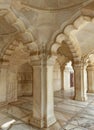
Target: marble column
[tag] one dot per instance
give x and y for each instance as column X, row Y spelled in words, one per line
column 90, row 78
column 67, row 78
column 49, row 113
column 62, row 68
column 80, row 90
column 3, row 84
column 43, row 103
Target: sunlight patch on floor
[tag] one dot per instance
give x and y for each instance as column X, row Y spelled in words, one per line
column 7, row 124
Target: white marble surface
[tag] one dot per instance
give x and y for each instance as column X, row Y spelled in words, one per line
column 70, row 114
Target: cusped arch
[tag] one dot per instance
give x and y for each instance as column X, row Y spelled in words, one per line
column 20, row 26
column 77, row 24
column 25, row 34
column 32, row 49
column 65, row 36
column 74, row 49
column 89, row 58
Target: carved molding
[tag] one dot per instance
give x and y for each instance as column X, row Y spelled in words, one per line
column 37, row 122
column 40, row 123
column 65, row 36
column 48, row 122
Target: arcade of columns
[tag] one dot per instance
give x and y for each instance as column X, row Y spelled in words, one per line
column 42, row 60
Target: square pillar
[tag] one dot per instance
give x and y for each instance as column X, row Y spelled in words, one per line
column 3, row 84
column 80, row 90
column 90, row 78
column 67, row 79
column 43, row 103
column 62, row 68
column 49, row 102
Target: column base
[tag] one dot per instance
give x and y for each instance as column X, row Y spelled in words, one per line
column 50, row 121
column 37, row 122
column 42, row 123
column 78, row 98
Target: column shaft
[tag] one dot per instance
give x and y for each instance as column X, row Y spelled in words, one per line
column 80, row 90
column 3, row 85
column 62, row 76
column 43, row 103
column 90, row 78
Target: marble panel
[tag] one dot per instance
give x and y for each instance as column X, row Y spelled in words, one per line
column 82, row 122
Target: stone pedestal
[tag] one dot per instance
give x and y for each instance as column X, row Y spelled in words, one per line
column 80, row 90
column 43, row 103
column 90, row 78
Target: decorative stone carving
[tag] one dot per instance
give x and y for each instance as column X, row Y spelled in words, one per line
column 37, row 122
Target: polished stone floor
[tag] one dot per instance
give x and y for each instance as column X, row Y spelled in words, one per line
column 70, row 114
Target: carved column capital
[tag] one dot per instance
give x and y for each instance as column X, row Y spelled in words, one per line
column 90, row 67
column 78, row 66
column 62, row 67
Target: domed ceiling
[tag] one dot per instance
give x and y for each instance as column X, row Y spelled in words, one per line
column 45, row 17
column 52, row 4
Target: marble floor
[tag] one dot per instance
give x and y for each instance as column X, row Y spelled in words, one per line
column 70, row 114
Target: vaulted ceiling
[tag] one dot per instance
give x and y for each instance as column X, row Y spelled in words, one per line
column 51, row 4
column 40, row 21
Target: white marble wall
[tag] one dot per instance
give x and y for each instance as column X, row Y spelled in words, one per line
column 8, row 85
column 24, row 78
column 11, row 86
column 25, row 84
